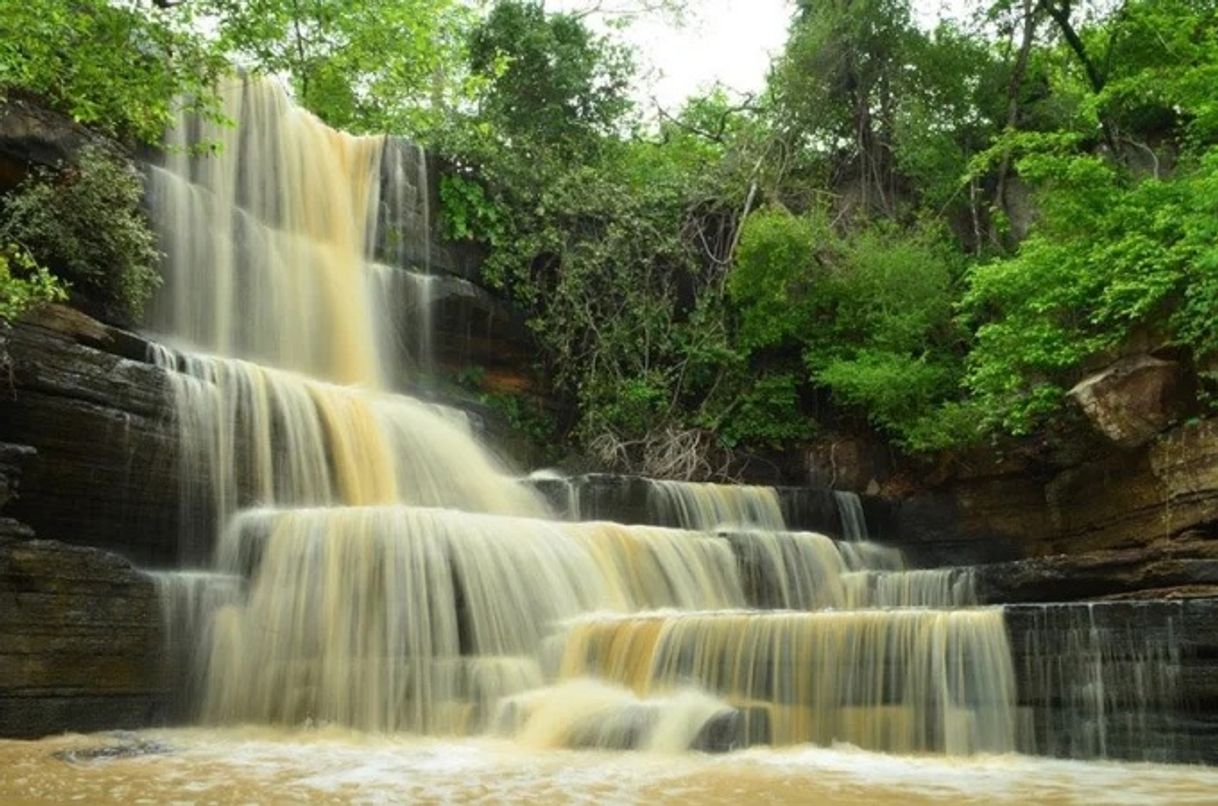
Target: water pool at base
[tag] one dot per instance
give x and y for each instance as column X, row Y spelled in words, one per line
column 262, row 765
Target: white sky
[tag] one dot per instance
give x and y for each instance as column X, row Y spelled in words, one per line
column 727, row 41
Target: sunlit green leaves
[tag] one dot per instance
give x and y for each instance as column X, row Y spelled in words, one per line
column 374, row 66
column 121, row 67
column 24, row 284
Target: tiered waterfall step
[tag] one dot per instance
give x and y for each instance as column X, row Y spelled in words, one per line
column 640, row 500
column 1130, row 679
column 876, row 678
column 646, row 566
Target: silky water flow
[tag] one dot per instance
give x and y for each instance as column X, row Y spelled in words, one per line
column 355, row 558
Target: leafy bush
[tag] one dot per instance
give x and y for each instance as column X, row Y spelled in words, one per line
column 870, row 312
column 24, row 284
column 768, row 413
column 84, row 223
column 526, row 417
column 1109, row 254
column 774, row 272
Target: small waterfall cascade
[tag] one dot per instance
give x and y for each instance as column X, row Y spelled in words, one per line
column 850, row 509
column 352, row 555
column 189, row 603
column 403, row 280
column 707, row 506
column 265, row 242
column 1098, row 686
column 404, row 301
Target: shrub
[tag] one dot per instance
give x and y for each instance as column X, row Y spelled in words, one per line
column 775, row 268
column 24, row 284
column 84, row 223
column 767, row 413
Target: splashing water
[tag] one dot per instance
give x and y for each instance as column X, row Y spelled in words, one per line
column 372, row 566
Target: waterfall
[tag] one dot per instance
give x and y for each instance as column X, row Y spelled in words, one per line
column 265, row 243
column 402, row 275
column 872, row 678
column 370, row 565
column 403, row 308
column 1094, row 686
column 707, row 506
column 190, row 601
column 850, row 510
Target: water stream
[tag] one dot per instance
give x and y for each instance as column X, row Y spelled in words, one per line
column 354, row 558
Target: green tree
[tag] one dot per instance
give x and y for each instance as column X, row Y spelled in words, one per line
column 366, row 66
column 120, row 67
column 548, row 79
column 1123, row 241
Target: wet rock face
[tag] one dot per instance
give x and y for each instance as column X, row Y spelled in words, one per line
column 473, row 328
column 848, row 463
column 79, row 641
column 1135, row 398
column 1125, row 680
column 104, row 471
column 1185, row 568
column 31, row 135
column 12, row 459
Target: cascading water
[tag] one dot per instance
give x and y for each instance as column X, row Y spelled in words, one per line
column 877, row 679
column 850, row 510
column 1097, row 687
column 707, row 506
column 404, row 286
column 372, row 566
column 265, row 244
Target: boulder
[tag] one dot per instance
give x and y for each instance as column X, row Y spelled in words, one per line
column 1134, row 398
column 1178, row 569
column 31, row 135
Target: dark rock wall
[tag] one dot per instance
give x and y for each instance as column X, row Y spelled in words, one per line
column 1130, row 680
column 31, row 135
column 80, row 629
column 80, row 641
column 104, row 472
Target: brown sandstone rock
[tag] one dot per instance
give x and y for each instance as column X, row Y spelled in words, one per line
column 1134, row 399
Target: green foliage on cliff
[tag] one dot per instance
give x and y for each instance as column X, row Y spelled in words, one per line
column 84, row 223
column 121, row 67
column 870, row 312
column 24, row 284
column 927, row 232
column 933, row 232
column 1121, row 246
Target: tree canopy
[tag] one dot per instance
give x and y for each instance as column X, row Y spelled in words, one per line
column 928, row 232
